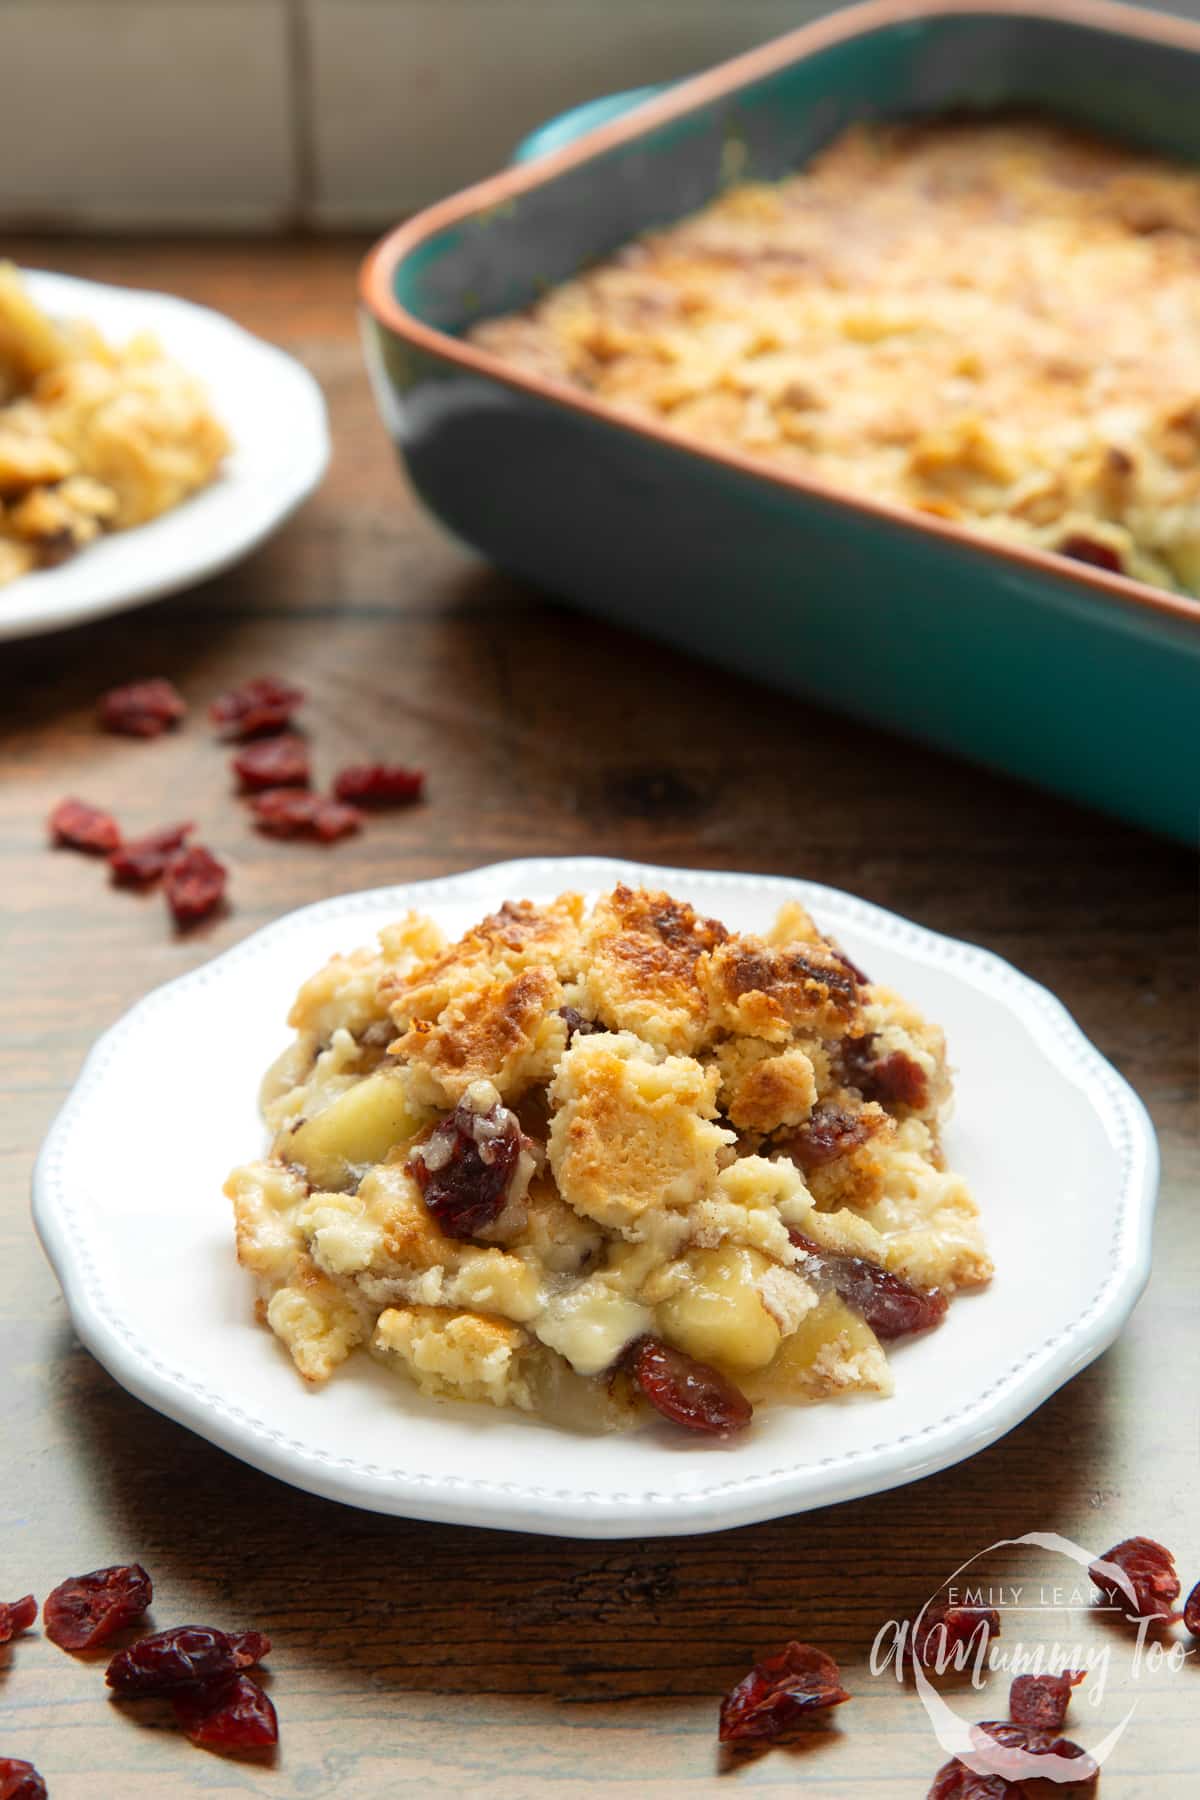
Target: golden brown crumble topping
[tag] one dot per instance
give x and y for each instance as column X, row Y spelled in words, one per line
column 582, row 1161
column 992, row 321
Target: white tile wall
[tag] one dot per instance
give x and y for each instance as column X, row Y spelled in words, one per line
column 118, row 114
column 412, row 98
column 135, row 113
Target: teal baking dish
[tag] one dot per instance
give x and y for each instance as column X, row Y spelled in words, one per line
column 1079, row 680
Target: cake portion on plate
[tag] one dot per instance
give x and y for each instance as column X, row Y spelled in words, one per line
column 589, row 1162
column 94, row 437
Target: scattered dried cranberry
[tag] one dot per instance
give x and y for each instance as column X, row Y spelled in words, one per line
column 688, row 1392
column 1149, row 1571
column 891, row 1306
column 143, row 859
column 943, row 1629
column 194, row 883
column 1191, row 1611
column 1032, row 1742
column 893, row 1080
column 1081, row 548
column 779, row 1694
column 333, row 820
column 380, row 784
column 249, row 1647
column 464, row 1167
column 187, row 1656
column 16, row 1616
column 828, row 1132
column 293, row 812
column 257, row 707
column 84, row 827
column 20, row 1780
column 954, row 1781
column 144, row 709
column 1042, row 1700
column 278, row 762
column 86, row 1610
column 230, row 1715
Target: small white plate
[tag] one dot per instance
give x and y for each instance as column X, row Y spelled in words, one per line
column 273, row 411
column 128, row 1204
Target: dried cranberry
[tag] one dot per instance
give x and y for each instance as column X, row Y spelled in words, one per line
column 943, row 1629
column 862, row 978
column 256, row 707
column 16, row 1616
column 20, row 1780
column 278, row 762
column 143, row 859
column 464, row 1167
column 891, row 1306
column 1081, row 548
column 194, row 883
column 1191, row 1611
column 144, row 709
column 1029, row 1741
column 84, row 827
column 954, row 1781
column 249, row 1647
column 55, row 548
column 285, row 812
column 186, row 1656
column 292, row 812
column 86, row 1610
column 577, row 1024
column 1042, row 1700
column 380, row 784
column 893, row 1080
column 1149, row 1572
column 828, row 1132
column 688, row 1392
column 229, row 1715
column 333, row 821
column 780, row 1693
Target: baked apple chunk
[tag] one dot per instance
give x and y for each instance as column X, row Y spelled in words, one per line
column 601, row 1163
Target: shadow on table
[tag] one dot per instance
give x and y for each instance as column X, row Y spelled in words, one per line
column 449, row 1610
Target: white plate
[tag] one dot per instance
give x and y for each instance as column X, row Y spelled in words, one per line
column 128, row 1203
column 273, row 411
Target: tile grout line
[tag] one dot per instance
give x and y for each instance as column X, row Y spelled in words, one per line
column 302, row 121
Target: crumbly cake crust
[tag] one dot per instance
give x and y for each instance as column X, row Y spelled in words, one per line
column 676, row 1104
column 994, row 321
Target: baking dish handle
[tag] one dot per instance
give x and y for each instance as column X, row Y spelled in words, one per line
column 565, row 127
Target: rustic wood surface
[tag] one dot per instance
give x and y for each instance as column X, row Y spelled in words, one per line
column 412, row 1658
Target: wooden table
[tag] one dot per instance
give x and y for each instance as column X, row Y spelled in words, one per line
column 417, row 1659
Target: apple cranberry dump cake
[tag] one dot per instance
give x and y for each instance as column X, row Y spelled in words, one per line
column 93, row 437
column 585, row 1161
column 991, row 321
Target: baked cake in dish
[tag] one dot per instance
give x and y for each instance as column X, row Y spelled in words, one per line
column 992, row 321
column 592, row 1161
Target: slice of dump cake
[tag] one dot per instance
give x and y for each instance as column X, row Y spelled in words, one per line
column 587, row 1162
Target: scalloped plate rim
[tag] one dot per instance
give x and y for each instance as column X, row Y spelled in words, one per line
column 576, row 1512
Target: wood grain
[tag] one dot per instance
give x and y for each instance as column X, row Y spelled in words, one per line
column 417, row 1659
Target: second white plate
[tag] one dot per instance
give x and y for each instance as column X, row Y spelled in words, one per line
column 274, row 412
column 128, row 1203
